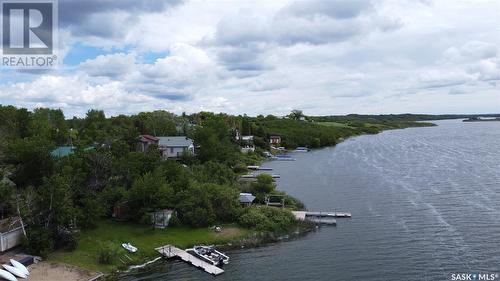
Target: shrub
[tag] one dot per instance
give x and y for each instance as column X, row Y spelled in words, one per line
column 174, row 221
column 38, row 242
column 266, row 218
column 107, row 253
column 66, row 241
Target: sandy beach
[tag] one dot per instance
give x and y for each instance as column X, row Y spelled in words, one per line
column 49, row 271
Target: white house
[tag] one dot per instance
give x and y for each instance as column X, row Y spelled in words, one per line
column 11, row 233
column 174, row 147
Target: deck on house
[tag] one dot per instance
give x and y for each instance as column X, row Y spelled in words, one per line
column 170, row 251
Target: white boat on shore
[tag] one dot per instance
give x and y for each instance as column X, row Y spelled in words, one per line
column 20, row 266
column 129, row 247
column 209, row 254
column 7, row 275
column 15, row 271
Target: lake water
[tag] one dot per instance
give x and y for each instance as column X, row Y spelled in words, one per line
column 425, row 204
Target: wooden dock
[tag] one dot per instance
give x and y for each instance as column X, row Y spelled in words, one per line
column 329, row 214
column 170, row 251
column 320, row 217
column 259, row 168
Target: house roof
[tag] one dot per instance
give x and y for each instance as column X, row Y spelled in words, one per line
column 9, row 224
column 168, row 211
column 149, row 137
column 175, row 141
column 246, row 198
column 62, row 151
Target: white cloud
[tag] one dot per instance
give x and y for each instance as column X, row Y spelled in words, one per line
column 326, row 57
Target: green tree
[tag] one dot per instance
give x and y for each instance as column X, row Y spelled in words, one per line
column 7, row 194
column 264, row 184
column 50, row 125
column 213, row 172
column 149, row 193
column 32, row 161
column 296, row 114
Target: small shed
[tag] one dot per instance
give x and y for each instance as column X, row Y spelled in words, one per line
column 121, row 211
column 161, row 218
column 246, row 199
column 11, row 233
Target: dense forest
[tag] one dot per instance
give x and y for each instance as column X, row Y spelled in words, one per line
column 55, row 196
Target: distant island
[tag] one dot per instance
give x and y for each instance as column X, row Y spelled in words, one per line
column 481, row 119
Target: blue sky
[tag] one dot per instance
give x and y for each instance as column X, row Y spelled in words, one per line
column 269, row 57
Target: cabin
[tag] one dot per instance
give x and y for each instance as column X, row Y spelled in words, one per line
column 247, row 148
column 11, row 233
column 248, row 139
column 161, row 218
column 246, row 143
column 62, row 151
column 246, row 199
column 145, row 141
column 169, row 146
column 175, row 147
column 275, row 141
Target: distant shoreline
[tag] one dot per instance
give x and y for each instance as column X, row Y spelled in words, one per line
column 482, row 120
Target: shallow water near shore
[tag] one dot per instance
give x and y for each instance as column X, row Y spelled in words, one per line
column 425, row 204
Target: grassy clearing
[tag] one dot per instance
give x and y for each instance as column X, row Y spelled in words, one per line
column 143, row 237
column 334, row 124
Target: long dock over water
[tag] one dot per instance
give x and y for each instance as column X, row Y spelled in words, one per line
column 320, row 217
column 170, row 251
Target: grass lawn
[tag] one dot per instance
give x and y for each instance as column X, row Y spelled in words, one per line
column 333, row 124
column 143, row 237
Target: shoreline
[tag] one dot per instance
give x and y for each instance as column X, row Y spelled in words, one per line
column 257, row 239
column 253, row 240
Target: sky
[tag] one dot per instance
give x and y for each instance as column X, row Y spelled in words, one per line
column 325, row 57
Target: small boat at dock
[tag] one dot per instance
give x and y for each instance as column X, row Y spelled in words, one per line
column 301, row 149
column 209, row 254
column 283, row 157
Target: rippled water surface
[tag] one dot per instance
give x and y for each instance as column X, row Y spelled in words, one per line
column 425, row 204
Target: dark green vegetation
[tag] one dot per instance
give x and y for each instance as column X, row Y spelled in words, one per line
column 62, row 198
